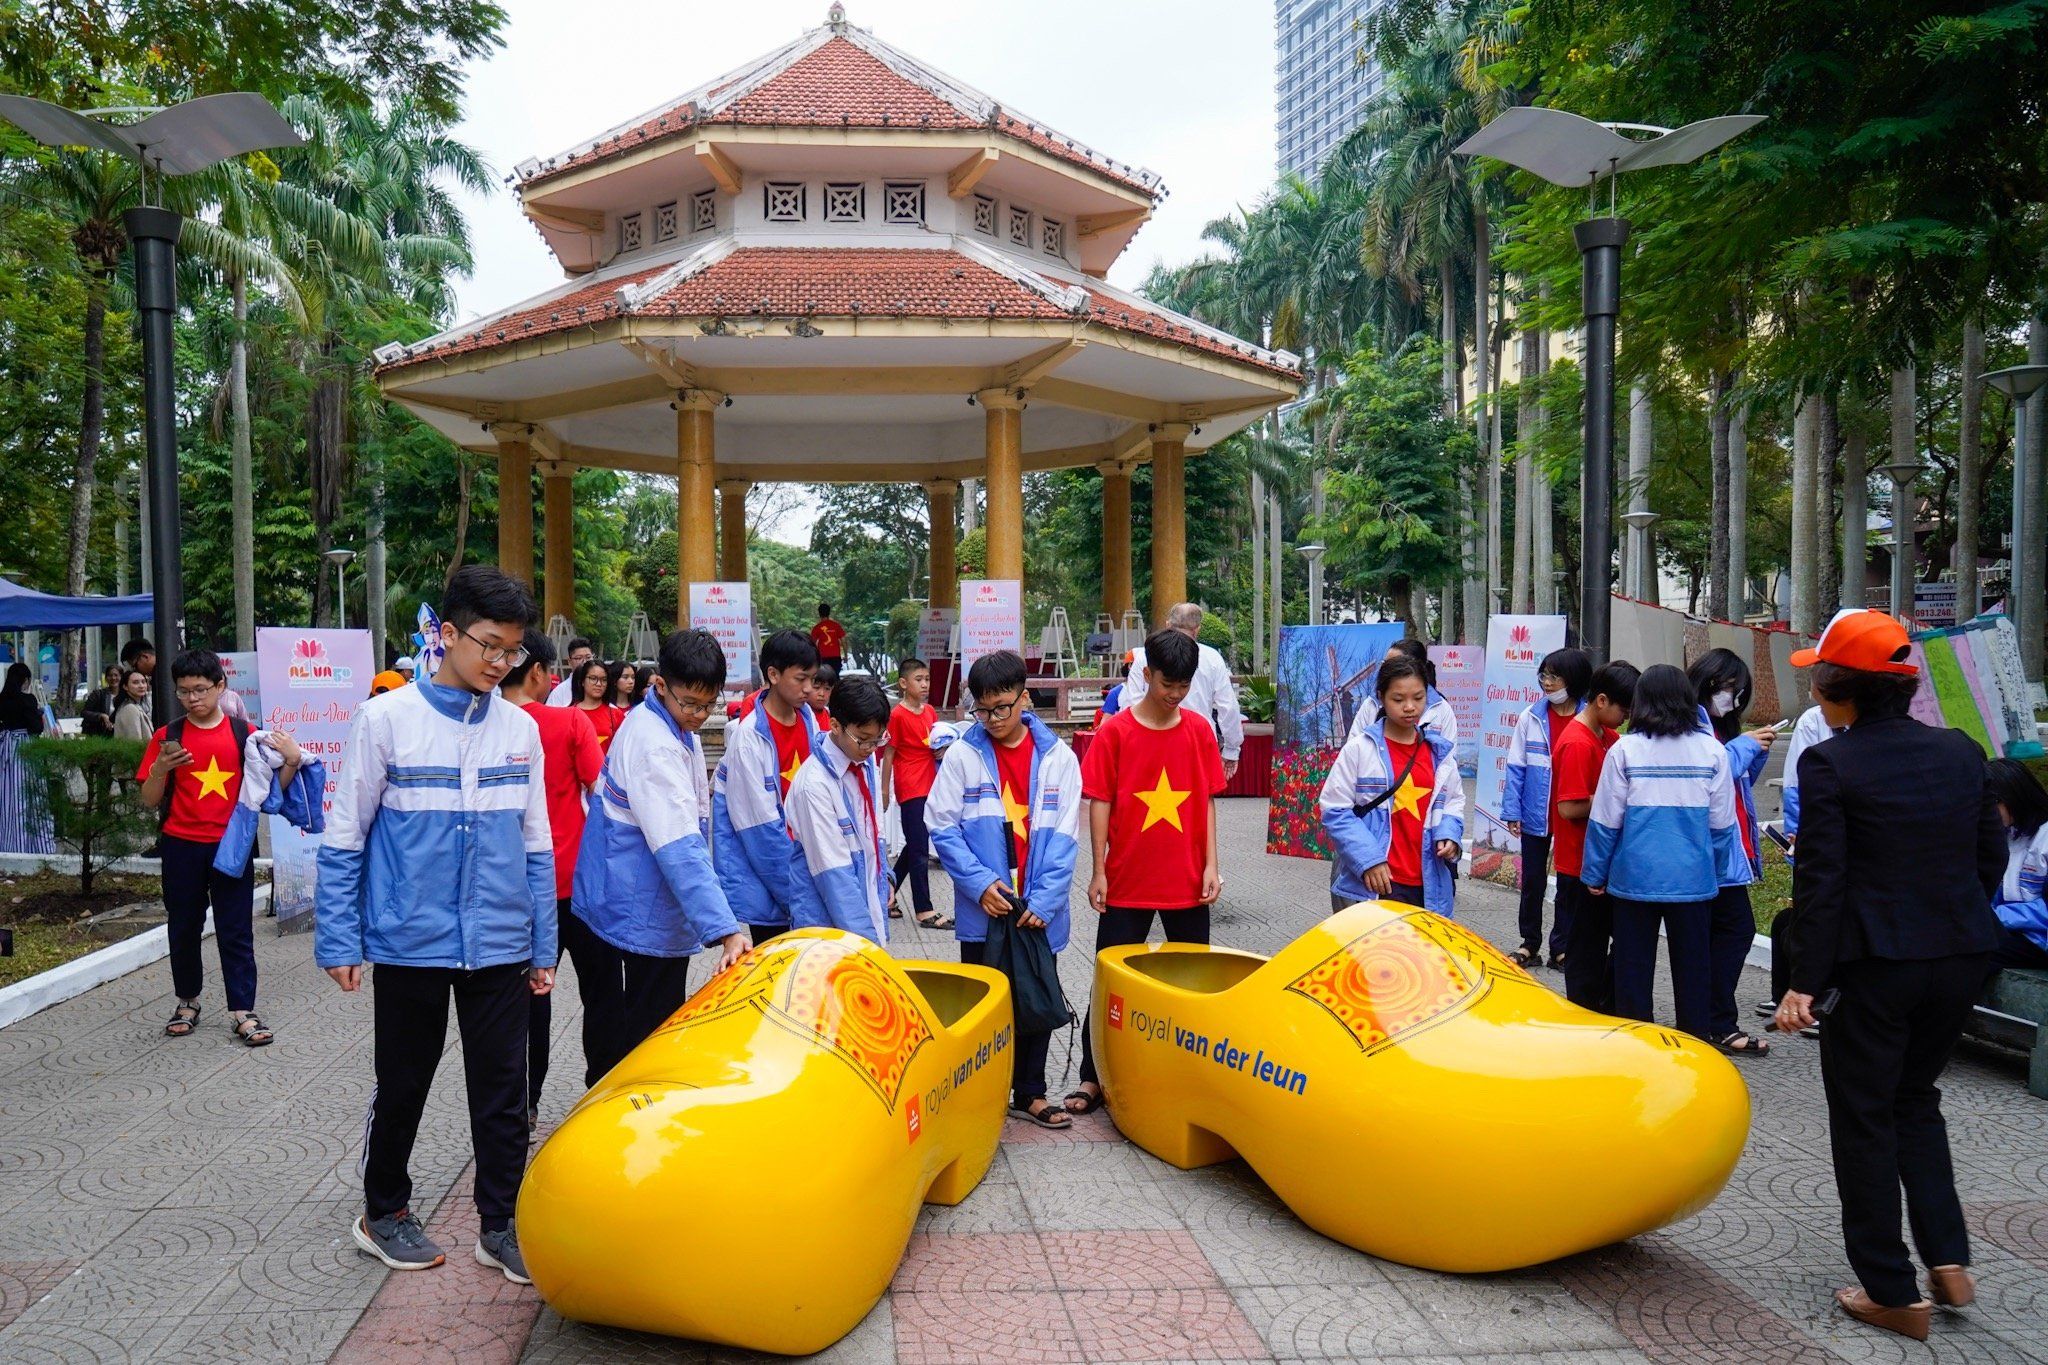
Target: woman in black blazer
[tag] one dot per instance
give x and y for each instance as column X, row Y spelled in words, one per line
column 1900, row 852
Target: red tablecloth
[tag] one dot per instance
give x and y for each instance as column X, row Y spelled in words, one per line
column 1254, row 763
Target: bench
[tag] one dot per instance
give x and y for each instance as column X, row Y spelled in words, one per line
column 2014, row 1014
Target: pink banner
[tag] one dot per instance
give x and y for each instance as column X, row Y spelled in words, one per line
column 311, row 682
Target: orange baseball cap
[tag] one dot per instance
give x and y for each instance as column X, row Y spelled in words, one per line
column 1867, row 641
column 390, row 680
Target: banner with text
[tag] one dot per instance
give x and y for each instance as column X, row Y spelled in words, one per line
column 1515, row 646
column 991, row 618
column 1460, row 670
column 311, row 682
column 935, row 632
column 727, row 611
column 240, row 666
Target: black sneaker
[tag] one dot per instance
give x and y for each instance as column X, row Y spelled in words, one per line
column 398, row 1241
column 500, row 1249
column 1766, row 1008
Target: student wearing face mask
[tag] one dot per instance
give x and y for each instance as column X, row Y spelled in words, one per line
column 1721, row 681
column 1527, row 805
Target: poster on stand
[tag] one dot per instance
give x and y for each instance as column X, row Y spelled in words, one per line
column 991, row 618
column 1321, row 679
column 1459, row 672
column 240, row 666
column 310, row 683
column 727, row 611
column 935, row 632
column 1515, row 646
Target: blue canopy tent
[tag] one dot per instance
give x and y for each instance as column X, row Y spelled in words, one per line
column 26, row 609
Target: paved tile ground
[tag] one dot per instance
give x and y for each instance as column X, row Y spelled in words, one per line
column 189, row 1200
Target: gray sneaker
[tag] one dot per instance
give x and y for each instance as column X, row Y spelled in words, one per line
column 398, row 1241
column 501, row 1249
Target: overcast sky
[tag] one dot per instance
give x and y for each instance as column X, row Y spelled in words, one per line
column 1182, row 86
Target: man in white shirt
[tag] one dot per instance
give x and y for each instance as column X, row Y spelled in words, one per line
column 1211, row 696
column 580, row 653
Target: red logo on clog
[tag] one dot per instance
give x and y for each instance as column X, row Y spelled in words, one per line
column 1116, row 1011
column 913, row 1118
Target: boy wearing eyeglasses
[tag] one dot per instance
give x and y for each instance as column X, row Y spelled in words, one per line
column 644, row 880
column 196, row 762
column 439, row 867
column 1004, row 815
column 835, row 818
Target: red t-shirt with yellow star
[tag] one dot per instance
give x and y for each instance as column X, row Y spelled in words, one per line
column 792, row 747
column 1158, row 784
column 1410, row 807
column 204, row 791
column 1013, row 775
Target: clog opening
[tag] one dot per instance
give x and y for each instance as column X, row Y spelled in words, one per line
column 950, row 997
column 1204, row 973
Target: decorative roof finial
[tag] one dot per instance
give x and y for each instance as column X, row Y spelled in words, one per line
column 835, row 18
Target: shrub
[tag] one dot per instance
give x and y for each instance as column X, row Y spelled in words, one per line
column 83, row 788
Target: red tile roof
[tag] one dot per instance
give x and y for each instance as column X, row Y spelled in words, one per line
column 835, row 282
column 837, row 85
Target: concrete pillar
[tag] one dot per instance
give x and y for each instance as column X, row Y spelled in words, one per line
column 1117, row 596
column 1169, row 517
column 732, row 530
column 515, row 499
column 696, row 494
column 559, row 546
column 945, row 576
column 1004, row 448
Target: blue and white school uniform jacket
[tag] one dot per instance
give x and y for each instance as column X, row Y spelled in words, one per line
column 971, row 834
column 1525, row 788
column 437, row 851
column 1363, row 770
column 1437, row 714
column 749, row 831
column 1811, row 728
column 644, row 881
column 2020, row 906
column 1745, row 765
column 1663, row 819
column 840, row 876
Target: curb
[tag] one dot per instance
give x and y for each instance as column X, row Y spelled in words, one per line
column 74, row 978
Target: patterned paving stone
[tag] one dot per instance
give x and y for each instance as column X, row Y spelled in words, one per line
column 23, row 1283
column 995, row 1206
column 1283, row 1253
column 1351, row 1322
column 1162, row 1324
column 1127, row 1261
column 942, row 1329
column 955, row 1264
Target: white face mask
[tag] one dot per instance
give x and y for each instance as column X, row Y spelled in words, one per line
column 1721, row 703
column 1557, row 698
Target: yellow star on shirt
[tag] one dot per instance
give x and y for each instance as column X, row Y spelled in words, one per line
column 1014, row 812
column 789, row 773
column 213, row 779
column 1162, row 803
column 1410, row 797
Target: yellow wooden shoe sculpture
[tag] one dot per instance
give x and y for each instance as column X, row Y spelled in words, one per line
column 1403, row 1087
column 750, row 1174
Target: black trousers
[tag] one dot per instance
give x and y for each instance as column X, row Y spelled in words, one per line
column 600, row 985
column 190, row 884
column 1118, row 926
column 1731, row 931
column 1781, row 951
column 761, row 933
column 915, row 859
column 656, row 987
column 1685, row 925
column 1535, row 881
column 1027, row 1058
column 1881, row 1051
column 1589, row 947
column 410, row 1008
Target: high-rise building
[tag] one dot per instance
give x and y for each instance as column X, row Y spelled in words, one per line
column 1326, row 77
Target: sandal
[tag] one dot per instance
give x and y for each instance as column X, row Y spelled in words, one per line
column 1089, row 1103
column 936, row 919
column 1524, row 958
column 251, row 1030
column 1557, row 962
column 184, row 1019
column 1740, row 1044
column 1047, row 1115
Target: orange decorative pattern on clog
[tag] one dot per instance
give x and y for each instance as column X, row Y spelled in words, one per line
column 1390, row 981
column 828, row 994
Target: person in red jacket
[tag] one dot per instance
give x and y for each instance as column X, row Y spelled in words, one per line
column 573, row 758
column 829, row 636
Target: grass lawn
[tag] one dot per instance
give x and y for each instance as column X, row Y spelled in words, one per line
column 48, row 918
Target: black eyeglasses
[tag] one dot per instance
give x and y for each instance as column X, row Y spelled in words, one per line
column 1000, row 711
column 495, row 654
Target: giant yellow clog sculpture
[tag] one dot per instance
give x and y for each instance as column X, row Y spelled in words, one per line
column 1405, row 1089
column 750, row 1174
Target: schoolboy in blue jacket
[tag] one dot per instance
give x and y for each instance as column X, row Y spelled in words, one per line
column 644, row 882
column 438, row 867
column 1525, row 804
column 835, row 819
column 764, row 749
column 977, row 834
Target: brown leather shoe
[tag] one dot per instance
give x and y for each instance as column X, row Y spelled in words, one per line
column 1910, row 1321
column 1952, row 1286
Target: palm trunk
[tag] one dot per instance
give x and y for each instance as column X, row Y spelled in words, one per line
column 1525, row 476
column 1825, row 572
column 373, row 562
column 1855, row 504
column 1258, row 574
column 1969, row 470
column 1486, row 537
column 91, row 425
column 328, row 420
column 465, row 482
column 241, row 475
column 1805, row 588
column 1738, row 513
column 1719, row 592
column 1542, row 513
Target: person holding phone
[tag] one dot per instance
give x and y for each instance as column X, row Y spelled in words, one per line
column 1895, row 881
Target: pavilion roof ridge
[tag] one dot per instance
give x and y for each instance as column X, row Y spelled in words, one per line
column 635, row 295
column 1193, row 324
column 1072, row 298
